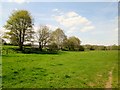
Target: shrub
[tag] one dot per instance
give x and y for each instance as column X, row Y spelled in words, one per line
column 53, row 47
column 81, row 48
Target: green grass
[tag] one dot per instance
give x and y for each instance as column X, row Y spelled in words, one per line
column 89, row 69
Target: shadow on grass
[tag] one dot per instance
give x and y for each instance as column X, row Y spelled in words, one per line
column 37, row 51
column 10, row 51
column 29, row 50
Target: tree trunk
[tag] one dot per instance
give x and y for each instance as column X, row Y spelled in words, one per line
column 40, row 46
column 20, row 42
column 21, row 46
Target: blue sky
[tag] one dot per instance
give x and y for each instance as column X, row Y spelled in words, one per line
column 91, row 22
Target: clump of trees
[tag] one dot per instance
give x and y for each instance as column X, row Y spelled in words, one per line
column 101, row 47
column 19, row 28
column 72, row 44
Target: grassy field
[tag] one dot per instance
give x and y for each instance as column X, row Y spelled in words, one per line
column 88, row 69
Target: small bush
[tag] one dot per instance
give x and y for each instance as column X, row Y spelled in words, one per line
column 53, row 47
column 81, row 48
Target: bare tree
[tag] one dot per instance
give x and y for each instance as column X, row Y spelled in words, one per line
column 43, row 36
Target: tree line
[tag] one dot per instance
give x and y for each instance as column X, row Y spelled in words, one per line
column 19, row 28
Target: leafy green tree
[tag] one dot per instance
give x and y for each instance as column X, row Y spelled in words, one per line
column 87, row 47
column 114, row 47
column 118, row 47
column 43, row 36
column 58, row 36
column 72, row 43
column 19, row 25
column 102, row 47
column 92, row 47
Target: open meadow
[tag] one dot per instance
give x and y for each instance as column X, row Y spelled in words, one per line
column 54, row 44
column 87, row 69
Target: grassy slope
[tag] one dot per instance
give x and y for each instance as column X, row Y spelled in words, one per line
column 64, row 70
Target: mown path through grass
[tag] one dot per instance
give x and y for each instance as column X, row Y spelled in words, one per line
column 109, row 82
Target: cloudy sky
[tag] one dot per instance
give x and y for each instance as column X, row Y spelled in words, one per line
column 91, row 22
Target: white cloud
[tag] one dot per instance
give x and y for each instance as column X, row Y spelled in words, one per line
column 54, row 10
column 71, row 30
column 71, row 19
column 87, row 28
column 74, row 20
column 51, row 27
column 72, row 14
column 15, row 9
